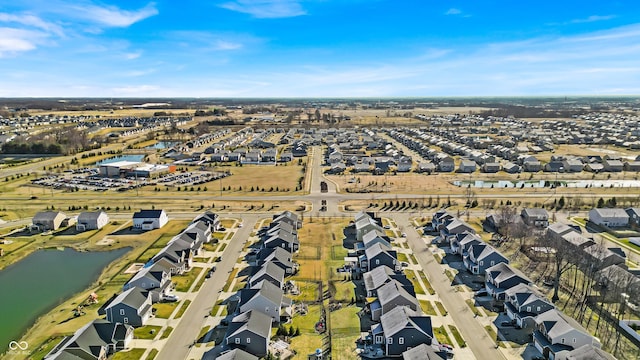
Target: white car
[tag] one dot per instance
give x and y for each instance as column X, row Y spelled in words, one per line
column 404, row 235
column 170, row 297
column 240, row 225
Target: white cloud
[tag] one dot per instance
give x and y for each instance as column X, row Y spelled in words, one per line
column 453, row 11
column 265, row 9
column 13, row 41
column 31, row 21
column 133, row 55
column 593, row 18
column 112, row 16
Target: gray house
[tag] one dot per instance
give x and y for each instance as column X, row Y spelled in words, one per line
column 132, row 307
column 378, row 255
column 177, row 257
column 402, row 329
column 236, row 354
column 381, row 275
column 556, row 335
column 375, row 237
column 250, row 331
column 502, row 277
column 392, row 295
column 283, row 239
column 421, row 352
column 535, row 217
column 94, row 341
column 482, row 256
column 278, row 256
column 92, row 220
column 523, row 303
column 156, row 279
column 269, row 272
column 266, row 298
column 48, row 220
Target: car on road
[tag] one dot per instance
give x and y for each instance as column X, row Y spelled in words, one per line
column 387, row 227
column 222, row 228
column 404, row 264
column 404, row 235
column 240, row 225
column 170, row 298
column 219, row 259
column 210, row 272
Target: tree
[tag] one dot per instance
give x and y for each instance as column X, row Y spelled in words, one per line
column 600, row 203
column 562, row 260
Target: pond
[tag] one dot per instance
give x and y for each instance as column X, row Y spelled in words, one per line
column 41, row 281
column 162, row 145
column 133, row 157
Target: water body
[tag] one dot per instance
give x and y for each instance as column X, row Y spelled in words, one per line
column 162, row 145
column 136, row 157
column 41, row 281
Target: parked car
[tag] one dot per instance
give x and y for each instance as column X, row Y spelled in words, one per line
column 404, row 264
column 481, row 292
column 387, row 227
column 240, row 225
column 170, row 298
column 506, row 323
column 404, row 235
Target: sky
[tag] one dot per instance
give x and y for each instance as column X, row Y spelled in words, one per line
column 318, row 48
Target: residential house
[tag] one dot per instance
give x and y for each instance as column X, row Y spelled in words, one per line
column 523, row 303
column 454, row 226
column 236, row 354
column 250, row 331
column 278, row 256
column 461, row 243
column 380, row 276
column 149, row 219
column 378, row 255
column 266, row 298
column 634, row 215
column 609, row 217
column 612, row 163
column 289, row 217
column 491, row 167
column 588, row 352
column 535, row 217
column 92, row 220
column 446, row 164
column 269, row 272
column 531, row 164
column 467, row 166
column 614, row 280
column 132, row 307
column 426, row 167
column 365, row 225
column 375, row 237
column 209, row 218
column 283, row 239
column 599, row 257
column 502, row 277
column 48, row 220
column 568, row 234
column 178, row 257
column 94, row 341
column 402, row 329
column 556, row 335
column 154, row 278
column 422, row 352
column 482, row 256
column 392, row 295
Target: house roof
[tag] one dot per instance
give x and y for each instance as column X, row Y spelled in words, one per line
column 146, row 214
column 392, row 290
column 274, row 252
column 609, row 213
column 589, row 352
column 253, row 321
column 152, row 272
column 47, row 216
column 90, row 338
column 503, row 271
column 132, row 297
column 556, row 324
column 264, row 289
column 377, row 277
column 421, row 352
column 270, row 269
column 525, row 294
column 401, row 317
column 536, row 213
column 87, row 216
column 237, row 354
column 371, row 235
column 377, row 249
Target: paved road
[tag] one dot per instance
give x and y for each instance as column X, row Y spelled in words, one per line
column 179, row 343
column 471, row 330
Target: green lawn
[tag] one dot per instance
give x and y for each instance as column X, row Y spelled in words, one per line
column 403, row 257
column 166, row 332
column 441, row 335
column 416, row 285
column 148, row 332
column 46, row 347
column 427, row 307
column 183, row 308
column 492, row 333
column 344, row 290
column 308, row 340
column 227, row 223
column 473, row 308
column 164, row 310
column 183, row 282
column 441, row 308
column 200, row 282
column 233, row 275
column 203, row 332
column 133, row 354
column 456, row 334
column 426, row 282
column 216, row 308
column 152, row 354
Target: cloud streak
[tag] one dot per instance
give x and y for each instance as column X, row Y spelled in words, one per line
column 112, row 16
column 266, row 9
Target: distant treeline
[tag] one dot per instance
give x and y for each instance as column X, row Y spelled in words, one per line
column 530, row 112
column 220, row 122
column 214, row 112
column 31, row 148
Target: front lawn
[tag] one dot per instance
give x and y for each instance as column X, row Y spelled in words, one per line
column 183, row 282
column 166, row 332
column 164, row 310
column 148, row 332
column 183, row 308
column 133, row 354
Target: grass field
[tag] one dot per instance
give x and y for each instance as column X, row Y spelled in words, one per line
column 308, row 341
column 183, row 282
column 182, row 309
column 147, row 332
column 164, row 310
column 133, row 354
column 427, row 307
column 166, row 332
column 441, row 335
column 345, row 329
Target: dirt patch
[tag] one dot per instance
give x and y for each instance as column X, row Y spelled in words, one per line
column 133, row 268
column 105, row 241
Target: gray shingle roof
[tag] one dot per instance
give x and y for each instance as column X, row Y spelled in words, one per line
column 252, row 320
column 400, row 317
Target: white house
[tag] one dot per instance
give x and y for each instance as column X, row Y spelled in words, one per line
column 92, row 220
column 609, row 217
column 149, row 219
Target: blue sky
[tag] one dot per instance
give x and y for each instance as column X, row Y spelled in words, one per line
column 318, row 48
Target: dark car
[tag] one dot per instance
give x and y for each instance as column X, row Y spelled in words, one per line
column 506, row 323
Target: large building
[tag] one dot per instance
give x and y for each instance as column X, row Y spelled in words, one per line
column 134, row 169
column 149, row 219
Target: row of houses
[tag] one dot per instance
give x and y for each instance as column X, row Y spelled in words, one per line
column 398, row 322
column 554, row 334
column 262, row 304
column 133, row 306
